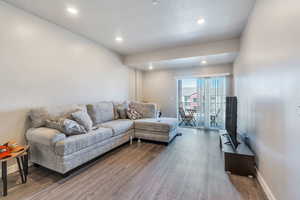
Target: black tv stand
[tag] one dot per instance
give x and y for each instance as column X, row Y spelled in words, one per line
column 228, row 142
column 240, row 161
column 228, row 138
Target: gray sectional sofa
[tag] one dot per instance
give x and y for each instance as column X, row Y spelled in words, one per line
column 54, row 150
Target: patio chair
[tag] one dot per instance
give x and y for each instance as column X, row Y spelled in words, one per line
column 187, row 119
column 213, row 119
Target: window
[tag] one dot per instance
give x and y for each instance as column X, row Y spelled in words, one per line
column 207, row 97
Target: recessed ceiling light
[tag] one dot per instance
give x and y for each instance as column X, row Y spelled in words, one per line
column 155, row 2
column 203, row 62
column 150, row 66
column 200, row 21
column 119, row 39
column 72, row 10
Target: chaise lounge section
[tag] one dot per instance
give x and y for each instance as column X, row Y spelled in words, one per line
column 160, row 130
column 54, row 150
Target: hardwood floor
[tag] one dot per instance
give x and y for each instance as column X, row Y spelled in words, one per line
column 189, row 168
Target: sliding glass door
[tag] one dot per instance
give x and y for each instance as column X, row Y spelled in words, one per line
column 201, row 102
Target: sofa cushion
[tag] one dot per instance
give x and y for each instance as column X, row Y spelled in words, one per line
column 159, row 125
column 148, row 110
column 101, row 112
column 39, row 116
column 118, row 126
column 78, row 142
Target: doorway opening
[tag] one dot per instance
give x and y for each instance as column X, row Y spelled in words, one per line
column 201, row 102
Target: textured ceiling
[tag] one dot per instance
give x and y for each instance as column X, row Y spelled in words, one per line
column 143, row 26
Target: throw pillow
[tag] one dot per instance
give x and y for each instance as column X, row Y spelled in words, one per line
column 83, row 118
column 73, row 128
column 57, row 124
column 122, row 113
column 117, row 106
column 39, row 116
column 116, row 113
column 133, row 114
column 66, row 126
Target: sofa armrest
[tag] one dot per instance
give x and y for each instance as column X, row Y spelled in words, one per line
column 45, row 136
column 148, row 110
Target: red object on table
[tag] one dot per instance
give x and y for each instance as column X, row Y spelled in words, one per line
column 4, row 152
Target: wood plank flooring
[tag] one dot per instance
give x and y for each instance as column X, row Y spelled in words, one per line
column 190, row 168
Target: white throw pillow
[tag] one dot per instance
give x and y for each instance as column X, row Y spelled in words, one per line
column 83, row 118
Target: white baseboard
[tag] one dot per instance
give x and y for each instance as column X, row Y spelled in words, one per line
column 265, row 186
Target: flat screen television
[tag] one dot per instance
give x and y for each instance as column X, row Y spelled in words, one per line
column 231, row 120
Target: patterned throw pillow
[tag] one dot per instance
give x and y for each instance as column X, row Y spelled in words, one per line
column 66, row 126
column 73, row 128
column 83, row 118
column 133, row 114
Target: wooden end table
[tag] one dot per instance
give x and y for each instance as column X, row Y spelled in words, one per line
column 22, row 160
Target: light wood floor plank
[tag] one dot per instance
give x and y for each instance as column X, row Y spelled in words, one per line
column 190, row 168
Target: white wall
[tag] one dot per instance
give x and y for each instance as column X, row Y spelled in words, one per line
column 42, row 64
column 160, row 86
column 267, row 76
